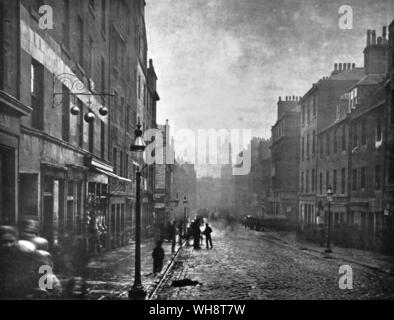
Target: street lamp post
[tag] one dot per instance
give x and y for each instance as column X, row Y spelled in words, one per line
column 329, row 200
column 137, row 292
column 184, row 215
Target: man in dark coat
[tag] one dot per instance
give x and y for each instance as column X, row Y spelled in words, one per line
column 208, row 238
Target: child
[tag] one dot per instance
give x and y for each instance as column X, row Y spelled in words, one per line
column 158, row 257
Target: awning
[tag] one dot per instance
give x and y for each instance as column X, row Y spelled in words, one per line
column 112, row 175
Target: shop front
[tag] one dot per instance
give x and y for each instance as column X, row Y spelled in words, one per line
column 11, row 111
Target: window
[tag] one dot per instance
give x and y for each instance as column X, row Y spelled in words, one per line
column 80, row 40
column 335, row 149
column 313, row 143
column 127, row 166
column 66, row 114
column 303, row 148
column 307, row 182
column 314, row 105
column 362, row 178
column 378, row 129
column 321, row 146
column 353, row 99
column 327, row 179
column 378, row 177
column 328, row 143
column 363, row 133
column 37, row 97
column 354, row 175
column 302, row 182
column 303, row 115
column 343, row 137
column 307, row 146
column 102, row 140
column 321, row 183
column 343, row 181
column 115, row 160
column 334, row 178
column 313, row 180
column 102, row 74
column 91, row 137
column 121, row 165
column 103, row 15
column 355, row 137
column 308, row 116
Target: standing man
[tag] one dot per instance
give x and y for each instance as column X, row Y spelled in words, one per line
column 208, row 238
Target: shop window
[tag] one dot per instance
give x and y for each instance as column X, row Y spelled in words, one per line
column 7, row 185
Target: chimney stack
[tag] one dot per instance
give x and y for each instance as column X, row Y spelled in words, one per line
column 380, row 40
column 368, row 38
column 384, row 32
column 373, row 37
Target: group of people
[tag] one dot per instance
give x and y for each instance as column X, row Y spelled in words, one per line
column 193, row 231
column 26, row 266
column 196, row 233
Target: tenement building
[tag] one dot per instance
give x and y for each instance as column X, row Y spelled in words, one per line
column 285, row 153
column 72, row 95
column 318, row 111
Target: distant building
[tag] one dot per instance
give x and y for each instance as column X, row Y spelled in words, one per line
column 285, row 156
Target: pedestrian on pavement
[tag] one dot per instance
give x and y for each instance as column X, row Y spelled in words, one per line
column 173, row 236
column 208, row 238
column 196, row 234
column 158, row 257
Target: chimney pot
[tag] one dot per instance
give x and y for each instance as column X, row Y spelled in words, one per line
column 335, row 66
column 344, row 65
column 280, row 98
column 380, row 40
column 373, row 37
column 294, row 98
column 384, row 33
column 340, row 66
column 368, row 38
column 353, row 65
column 349, row 66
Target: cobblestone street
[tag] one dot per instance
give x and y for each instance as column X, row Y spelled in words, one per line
column 243, row 264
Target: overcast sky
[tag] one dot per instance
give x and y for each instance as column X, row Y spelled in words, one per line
column 224, row 63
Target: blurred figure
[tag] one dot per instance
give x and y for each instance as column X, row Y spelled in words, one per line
column 158, row 257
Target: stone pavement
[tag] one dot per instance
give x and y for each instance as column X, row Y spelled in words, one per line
column 111, row 274
column 370, row 259
column 243, row 264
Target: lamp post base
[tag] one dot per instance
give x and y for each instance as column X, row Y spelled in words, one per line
column 137, row 293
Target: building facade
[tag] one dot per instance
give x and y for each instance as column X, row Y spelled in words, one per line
column 318, row 110
column 71, row 100
column 285, row 152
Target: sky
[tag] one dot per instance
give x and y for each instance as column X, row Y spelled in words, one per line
column 224, row 63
